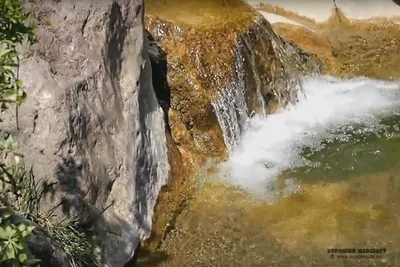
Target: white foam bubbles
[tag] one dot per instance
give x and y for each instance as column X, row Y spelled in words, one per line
column 273, row 144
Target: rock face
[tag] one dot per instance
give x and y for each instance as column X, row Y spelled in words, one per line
column 92, row 123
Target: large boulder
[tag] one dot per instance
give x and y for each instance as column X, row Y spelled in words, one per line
column 92, row 123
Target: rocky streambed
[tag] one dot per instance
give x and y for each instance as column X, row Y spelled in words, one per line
column 314, row 177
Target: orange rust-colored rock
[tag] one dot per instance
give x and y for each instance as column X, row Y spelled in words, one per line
column 201, row 41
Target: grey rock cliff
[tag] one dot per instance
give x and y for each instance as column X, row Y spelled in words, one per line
column 92, row 123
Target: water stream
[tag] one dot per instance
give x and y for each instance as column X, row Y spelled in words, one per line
column 322, row 174
column 231, row 108
column 334, row 110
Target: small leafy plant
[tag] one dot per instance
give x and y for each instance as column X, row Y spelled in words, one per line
column 13, row 246
column 14, row 30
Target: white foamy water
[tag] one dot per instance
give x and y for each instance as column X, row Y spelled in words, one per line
column 274, row 144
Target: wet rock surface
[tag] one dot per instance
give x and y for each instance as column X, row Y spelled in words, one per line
column 221, row 49
column 220, row 224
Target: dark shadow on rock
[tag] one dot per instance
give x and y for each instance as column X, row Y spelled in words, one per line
column 159, row 70
column 115, row 39
column 132, row 262
column 83, row 181
column 81, row 177
column 69, row 176
column 86, row 217
column 397, row 2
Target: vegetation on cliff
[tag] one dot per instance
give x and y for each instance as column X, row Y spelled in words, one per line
column 13, row 238
column 25, row 231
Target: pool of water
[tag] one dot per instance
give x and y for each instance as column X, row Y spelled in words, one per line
column 321, row 175
column 351, row 152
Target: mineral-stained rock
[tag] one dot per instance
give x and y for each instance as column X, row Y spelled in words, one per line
column 215, row 49
column 337, row 42
column 92, row 122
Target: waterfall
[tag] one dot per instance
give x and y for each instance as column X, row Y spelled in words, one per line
column 230, row 106
column 251, row 55
column 254, row 80
column 343, row 110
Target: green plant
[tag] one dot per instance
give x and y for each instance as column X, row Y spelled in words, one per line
column 14, row 30
column 13, row 237
column 13, row 243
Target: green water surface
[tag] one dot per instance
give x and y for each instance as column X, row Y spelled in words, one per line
column 362, row 151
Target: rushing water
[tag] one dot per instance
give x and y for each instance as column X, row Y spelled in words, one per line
column 333, row 111
column 230, row 107
column 330, row 170
column 245, row 95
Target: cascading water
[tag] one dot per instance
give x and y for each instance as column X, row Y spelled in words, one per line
column 281, row 209
column 333, row 106
column 266, row 146
column 304, row 159
column 293, row 84
column 247, row 93
column 230, row 107
column 251, row 55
